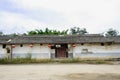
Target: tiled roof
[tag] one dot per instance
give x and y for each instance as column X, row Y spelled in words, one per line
column 115, row 39
column 5, row 39
column 89, row 38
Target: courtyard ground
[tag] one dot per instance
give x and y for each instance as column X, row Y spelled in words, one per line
column 60, row 72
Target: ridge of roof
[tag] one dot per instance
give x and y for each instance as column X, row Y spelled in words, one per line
column 93, row 35
column 87, row 38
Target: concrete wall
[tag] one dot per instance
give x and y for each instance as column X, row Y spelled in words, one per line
column 52, row 51
column 43, row 51
column 96, row 50
column 70, row 51
column 37, row 51
column 3, row 51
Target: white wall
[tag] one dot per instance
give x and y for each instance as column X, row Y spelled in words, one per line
column 96, row 48
column 3, row 51
column 37, row 51
column 43, row 51
column 37, row 48
column 70, row 48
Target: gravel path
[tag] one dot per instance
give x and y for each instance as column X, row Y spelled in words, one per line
column 59, row 72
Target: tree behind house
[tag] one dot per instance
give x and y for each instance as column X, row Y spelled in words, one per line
column 77, row 30
column 47, row 32
column 1, row 33
column 111, row 32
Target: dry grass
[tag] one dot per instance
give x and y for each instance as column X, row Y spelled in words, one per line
column 74, row 60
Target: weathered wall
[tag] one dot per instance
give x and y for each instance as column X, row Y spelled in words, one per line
column 96, row 50
column 70, row 51
column 3, row 51
column 37, row 51
column 43, row 51
column 52, row 51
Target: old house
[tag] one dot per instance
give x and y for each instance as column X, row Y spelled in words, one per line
column 69, row 46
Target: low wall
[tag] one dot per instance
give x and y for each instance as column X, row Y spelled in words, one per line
column 96, row 55
column 70, row 55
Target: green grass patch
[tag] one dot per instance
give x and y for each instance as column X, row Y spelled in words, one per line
column 24, row 61
column 31, row 60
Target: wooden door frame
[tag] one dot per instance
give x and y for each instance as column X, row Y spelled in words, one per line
column 62, row 46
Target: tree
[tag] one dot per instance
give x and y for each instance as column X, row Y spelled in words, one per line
column 111, row 32
column 13, row 34
column 47, row 32
column 77, row 30
column 64, row 32
column 32, row 32
column 1, row 33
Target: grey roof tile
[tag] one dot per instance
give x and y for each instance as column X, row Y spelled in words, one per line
column 89, row 38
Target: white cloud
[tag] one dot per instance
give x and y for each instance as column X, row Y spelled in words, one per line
column 15, row 22
column 95, row 15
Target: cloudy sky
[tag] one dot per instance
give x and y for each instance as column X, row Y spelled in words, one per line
column 97, row 16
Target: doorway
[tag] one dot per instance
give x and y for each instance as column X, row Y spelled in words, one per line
column 61, row 51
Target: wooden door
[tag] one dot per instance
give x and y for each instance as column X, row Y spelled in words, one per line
column 61, row 53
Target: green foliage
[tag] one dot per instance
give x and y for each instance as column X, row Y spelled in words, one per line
column 73, row 30
column 47, row 32
column 111, row 32
column 24, row 61
column 1, row 33
column 13, row 34
column 32, row 32
column 77, row 30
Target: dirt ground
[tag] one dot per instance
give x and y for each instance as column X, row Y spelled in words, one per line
column 59, row 72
